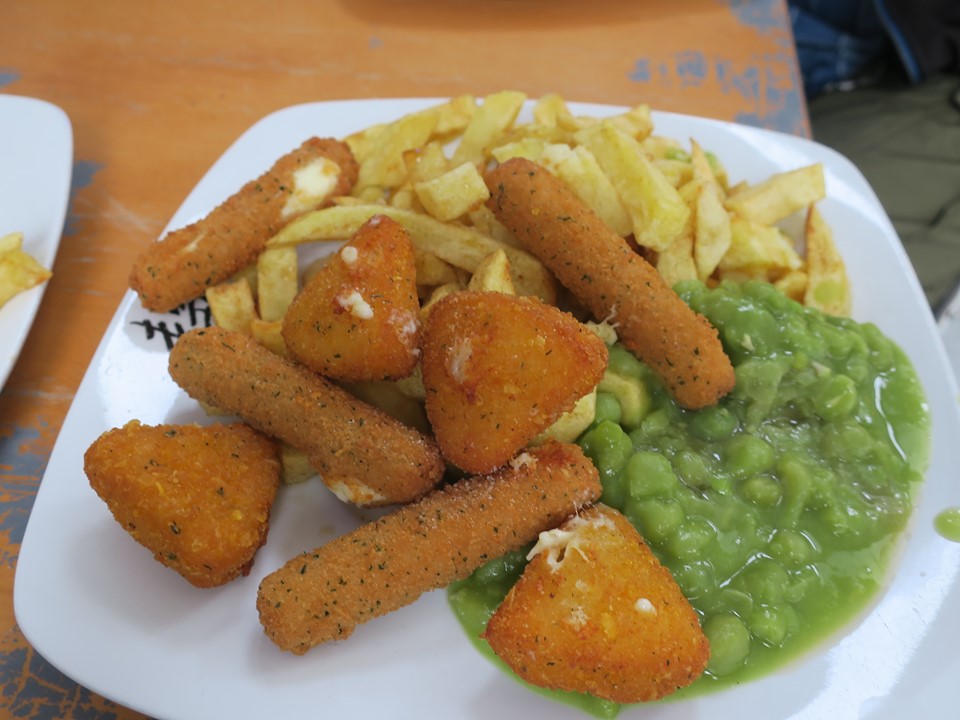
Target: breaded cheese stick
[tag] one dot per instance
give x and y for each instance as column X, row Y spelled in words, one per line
column 381, row 566
column 606, row 275
column 363, row 455
column 187, row 261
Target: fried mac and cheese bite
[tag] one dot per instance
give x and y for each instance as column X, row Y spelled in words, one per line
column 198, row 498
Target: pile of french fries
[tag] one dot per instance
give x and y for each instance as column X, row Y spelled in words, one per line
column 425, row 170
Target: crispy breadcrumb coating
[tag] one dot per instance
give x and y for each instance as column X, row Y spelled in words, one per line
column 198, row 498
column 358, row 318
column 184, row 263
column 595, row 612
column 324, row 594
column 612, row 280
column 498, row 370
column 362, row 454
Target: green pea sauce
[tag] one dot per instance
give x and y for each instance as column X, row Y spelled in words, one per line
column 778, row 509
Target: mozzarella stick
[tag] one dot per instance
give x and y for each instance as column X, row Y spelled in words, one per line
column 605, row 274
column 183, row 264
column 381, row 566
column 363, row 455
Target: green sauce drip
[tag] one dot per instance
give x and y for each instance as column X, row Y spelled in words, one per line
column 947, row 523
column 777, row 510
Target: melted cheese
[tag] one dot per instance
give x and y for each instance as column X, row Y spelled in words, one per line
column 557, row 543
column 311, row 185
column 349, row 254
column 356, row 493
column 357, row 306
column 457, row 361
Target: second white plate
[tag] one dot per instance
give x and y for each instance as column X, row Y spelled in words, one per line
column 36, row 156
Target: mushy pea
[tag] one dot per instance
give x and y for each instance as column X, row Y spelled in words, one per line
column 778, row 509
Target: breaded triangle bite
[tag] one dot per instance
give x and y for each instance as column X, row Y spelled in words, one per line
column 498, row 370
column 595, row 612
column 358, row 318
column 198, row 498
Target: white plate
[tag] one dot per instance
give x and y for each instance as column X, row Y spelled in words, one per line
column 98, row 607
column 36, row 156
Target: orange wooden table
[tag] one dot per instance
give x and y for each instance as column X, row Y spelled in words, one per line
column 156, row 91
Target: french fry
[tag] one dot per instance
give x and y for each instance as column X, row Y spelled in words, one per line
column 488, row 124
column 425, row 163
column 493, row 274
column 712, row 233
column 486, row 223
column 436, row 296
column 458, row 245
column 828, row 287
column 658, row 213
column 579, row 169
column 412, row 385
column 232, row 305
column 636, row 122
column 383, row 167
column 569, row 426
column 11, row 241
column 677, row 172
column 552, row 111
column 361, row 143
column 455, row 115
column 779, row 196
column 294, row 465
column 431, row 270
column 19, row 271
column 276, row 282
column 755, row 246
column 676, row 262
column 268, row 333
column 793, row 284
column 454, row 193
column 527, row 146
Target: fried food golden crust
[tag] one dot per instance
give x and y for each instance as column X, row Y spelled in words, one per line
column 381, row 566
column 198, row 498
column 358, row 318
column 599, row 616
column 187, row 261
column 363, row 455
column 499, row 369
column 613, row 281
